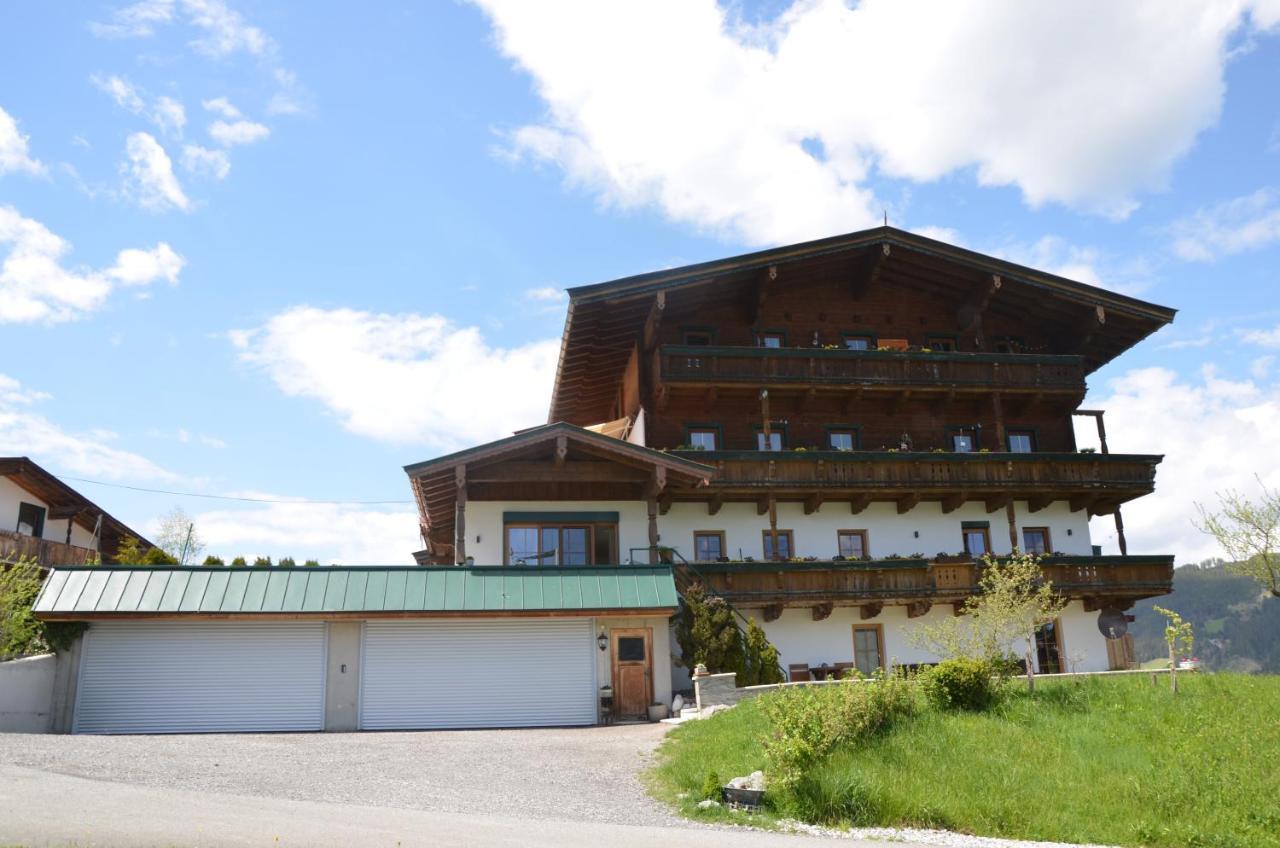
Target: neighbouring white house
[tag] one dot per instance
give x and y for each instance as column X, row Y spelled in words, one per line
column 828, row 435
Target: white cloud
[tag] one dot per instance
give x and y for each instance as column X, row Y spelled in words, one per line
column 1260, row 368
column 169, row 115
column 290, row 98
column 223, row 30
column 14, row 155
column 330, row 533
column 1239, row 225
column 546, row 294
column 388, row 376
column 1215, row 434
column 770, row 133
column 34, row 285
column 1263, row 338
column 205, row 162
column 239, row 132
column 221, row 106
column 25, row 433
column 149, row 176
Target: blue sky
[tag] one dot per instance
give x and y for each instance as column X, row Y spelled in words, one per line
column 278, row 250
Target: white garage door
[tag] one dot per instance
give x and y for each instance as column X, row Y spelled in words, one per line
column 496, row 673
column 190, row 678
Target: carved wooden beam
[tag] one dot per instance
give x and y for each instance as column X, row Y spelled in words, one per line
column 1035, row 503
column 562, row 450
column 813, row 503
column 950, row 503
column 1081, row 501
column 869, row 611
column 772, row 612
column 761, row 294
column 1103, row 507
column 822, row 611
column 1093, row 603
column 915, row 609
column 664, row 503
column 869, row 273
column 714, row 504
column 762, row 505
column 969, row 315
column 858, row 503
column 657, row 483
column 653, row 322
column 995, row 503
column 906, row 502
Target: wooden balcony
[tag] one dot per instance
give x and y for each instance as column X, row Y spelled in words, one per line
column 44, row 551
column 1099, row 581
column 1092, row 481
column 698, row 365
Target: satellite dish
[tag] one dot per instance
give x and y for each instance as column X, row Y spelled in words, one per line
column 1112, row 623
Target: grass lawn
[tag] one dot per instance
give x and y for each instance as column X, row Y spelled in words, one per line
column 1113, row 761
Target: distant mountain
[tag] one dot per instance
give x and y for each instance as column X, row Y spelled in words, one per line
column 1237, row 626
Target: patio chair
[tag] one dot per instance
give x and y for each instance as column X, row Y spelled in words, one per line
column 798, row 672
column 842, row 670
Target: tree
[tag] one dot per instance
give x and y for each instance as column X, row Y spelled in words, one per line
column 311, row 563
column 178, row 537
column 262, row 562
column 157, row 556
column 21, row 633
column 1250, row 534
column 129, row 551
column 1177, row 634
column 286, row 562
column 708, row 634
column 1012, row 602
column 213, row 560
column 239, row 561
column 761, row 658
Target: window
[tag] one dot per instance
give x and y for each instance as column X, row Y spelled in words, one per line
column 963, row 440
column 771, row 338
column 858, row 341
column 1035, row 540
column 704, row 438
column 556, row 545
column 944, row 343
column 1005, row 344
column 852, row 543
column 1021, row 441
column 698, row 337
column 30, row 519
column 708, row 545
column 977, row 541
column 631, row 649
column 1049, row 647
column 843, row 440
column 774, row 442
column 868, row 648
column 786, row 546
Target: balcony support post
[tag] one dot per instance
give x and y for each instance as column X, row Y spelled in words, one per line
column 998, row 409
column 460, row 515
column 1013, row 526
column 652, row 506
column 1124, row 547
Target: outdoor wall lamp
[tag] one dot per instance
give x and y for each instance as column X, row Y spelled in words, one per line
column 603, row 641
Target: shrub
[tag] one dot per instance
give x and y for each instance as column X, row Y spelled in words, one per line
column 239, row 561
column 960, row 684
column 262, row 562
column 286, row 562
column 808, row 721
column 762, row 665
column 711, row 786
column 213, row 560
column 311, row 563
column 157, row 556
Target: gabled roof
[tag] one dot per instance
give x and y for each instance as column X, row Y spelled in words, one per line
column 541, row 464
column 605, row 319
column 65, row 502
column 104, row 592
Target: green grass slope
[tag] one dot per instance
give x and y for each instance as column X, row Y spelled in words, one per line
column 1112, row 761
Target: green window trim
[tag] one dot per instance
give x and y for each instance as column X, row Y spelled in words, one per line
column 559, row 518
column 759, row 335
column 855, row 429
column 719, row 431
column 975, row 525
column 757, row 429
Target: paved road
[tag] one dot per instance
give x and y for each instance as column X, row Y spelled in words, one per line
column 41, row 808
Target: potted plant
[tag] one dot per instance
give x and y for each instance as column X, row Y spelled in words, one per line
column 666, row 555
column 657, row 711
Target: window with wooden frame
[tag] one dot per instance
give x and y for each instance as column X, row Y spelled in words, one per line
column 559, row 544
column 771, row 338
column 943, row 342
column 1049, row 651
column 786, row 545
column 852, row 544
column 1035, row 540
column 708, row 545
column 868, row 648
column 843, row 438
column 1021, row 441
column 703, row 436
column 30, row 519
column 859, row 341
column 977, row 539
column 700, row 336
column 777, row 439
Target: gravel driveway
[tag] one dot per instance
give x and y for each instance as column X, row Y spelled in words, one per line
column 586, row 774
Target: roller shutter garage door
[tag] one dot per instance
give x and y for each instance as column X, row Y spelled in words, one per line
column 167, row 677
column 494, row 673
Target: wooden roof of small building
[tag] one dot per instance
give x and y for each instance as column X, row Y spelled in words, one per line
column 65, row 502
column 605, row 320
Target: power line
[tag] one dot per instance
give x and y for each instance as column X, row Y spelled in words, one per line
column 231, row 497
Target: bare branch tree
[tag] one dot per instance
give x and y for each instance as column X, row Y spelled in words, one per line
column 1249, row 532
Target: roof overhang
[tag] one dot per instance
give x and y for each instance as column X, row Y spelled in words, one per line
column 64, row 502
column 605, row 320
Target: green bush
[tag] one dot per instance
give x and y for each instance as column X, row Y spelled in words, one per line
column 286, row 562
column 239, row 561
column 711, row 785
column 262, row 562
column 213, row 560
column 960, row 684
column 808, row 721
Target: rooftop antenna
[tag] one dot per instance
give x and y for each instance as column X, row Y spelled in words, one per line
column 886, row 217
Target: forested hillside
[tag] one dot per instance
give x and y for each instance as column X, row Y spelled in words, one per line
column 1237, row 626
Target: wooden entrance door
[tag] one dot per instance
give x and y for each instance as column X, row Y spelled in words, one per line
column 632, row 670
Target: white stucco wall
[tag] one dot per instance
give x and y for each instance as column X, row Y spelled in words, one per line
column 800, row 639
column 924, row 529
column 11, row 495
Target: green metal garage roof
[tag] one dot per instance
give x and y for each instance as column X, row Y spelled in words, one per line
column 107, row 591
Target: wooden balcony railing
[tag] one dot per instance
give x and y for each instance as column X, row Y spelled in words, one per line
column 816, row 366
column 1121, row 476
column 911, row 580
column 44, row 551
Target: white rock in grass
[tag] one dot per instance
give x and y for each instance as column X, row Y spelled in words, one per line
column 707, row 804
column 754, row 781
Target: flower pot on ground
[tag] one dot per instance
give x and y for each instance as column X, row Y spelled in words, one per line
column 657, row 712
